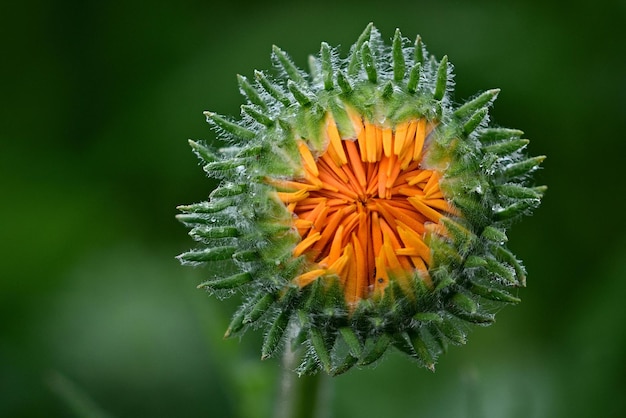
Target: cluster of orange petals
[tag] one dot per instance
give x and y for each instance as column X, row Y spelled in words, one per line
column 363, row 206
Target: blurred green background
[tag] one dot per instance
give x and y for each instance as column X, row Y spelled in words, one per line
column 98, row 101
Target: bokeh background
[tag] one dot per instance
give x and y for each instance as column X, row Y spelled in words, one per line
column 98, row 100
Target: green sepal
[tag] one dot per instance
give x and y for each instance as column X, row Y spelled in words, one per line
column 522, row 167
column 314, row 68
column 507, row 256
column 452, row 331
column 228, row 190
column 257, row 115
column 494, row 234
column 283, row 60
column 442, row 79
column 375, row 347
column 399, row 65
column 501, row 271
column 300, row 96
column 236, row 323
column 466, row 308
column 516, row 191
column 514, row 210
column 352, row 341
column 387, row 91
column 192, row 219
column 216, row 232
column 230, row 127
column 463, row 303
column 414, row 78
column 369, row 64
column 208, row 254
column 327, row 67
column 477, row 103
column 419, row 50
column 323, row 354
column 474, row 121
column 443, row 281
column 344, row 83
column 342, row 120
column 461, row 236
column 273, row 338
column 252, row 151
column 348, row 362
column 216, row 167
column 246, row 256
column 229, row 282
column 250, row 92
column 506, row 147
column 356, row 49
column 271, row 89
column 402, row 341
column 490, row 135
column 428, row 317
column 474, row 261
column 494, row 294
column 213, row 206
column 259, row 308
column 203, row 152
column 477, row 318
column 423, row 353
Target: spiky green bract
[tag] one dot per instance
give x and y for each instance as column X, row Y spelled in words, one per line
column 246, row 235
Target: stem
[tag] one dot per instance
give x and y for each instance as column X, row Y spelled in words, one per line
column 300, row 396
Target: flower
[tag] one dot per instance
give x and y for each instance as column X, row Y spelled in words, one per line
column 361, row 207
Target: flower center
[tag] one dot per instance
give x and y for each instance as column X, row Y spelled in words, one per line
column 363, row 208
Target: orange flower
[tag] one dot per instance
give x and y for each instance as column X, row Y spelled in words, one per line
column 359, row 208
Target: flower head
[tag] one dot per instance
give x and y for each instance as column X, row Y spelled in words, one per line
column 360, row 205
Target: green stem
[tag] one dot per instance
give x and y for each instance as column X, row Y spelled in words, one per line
column 301, row 396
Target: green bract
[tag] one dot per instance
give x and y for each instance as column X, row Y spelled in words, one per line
column 425, row 257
